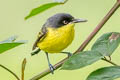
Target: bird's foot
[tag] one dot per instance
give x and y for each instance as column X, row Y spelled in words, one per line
column 68, row 53
column 51, row 68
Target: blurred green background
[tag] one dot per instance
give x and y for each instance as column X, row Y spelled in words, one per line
column 12, row 13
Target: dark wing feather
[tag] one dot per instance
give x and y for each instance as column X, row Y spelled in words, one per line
column 41, row 36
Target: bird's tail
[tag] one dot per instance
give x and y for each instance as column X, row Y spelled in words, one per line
column 35, row 52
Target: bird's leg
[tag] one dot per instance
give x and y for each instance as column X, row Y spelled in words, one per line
column 49, row 64
column 35, row 52
column 68, row 53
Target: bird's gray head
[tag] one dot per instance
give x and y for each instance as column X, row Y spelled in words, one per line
column 61, row 19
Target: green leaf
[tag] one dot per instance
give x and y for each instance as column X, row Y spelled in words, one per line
column 81, row 59
column 107, row 43
column 106, row 73
column 42, row 8
column 9, row 44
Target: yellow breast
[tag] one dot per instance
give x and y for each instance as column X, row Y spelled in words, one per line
column 57, row 39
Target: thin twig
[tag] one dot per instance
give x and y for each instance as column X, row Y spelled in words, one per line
column 23, row 69
column 10, row 71
column 109, row 61
column 85, row 43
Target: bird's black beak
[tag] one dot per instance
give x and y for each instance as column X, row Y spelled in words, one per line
column 79, row 20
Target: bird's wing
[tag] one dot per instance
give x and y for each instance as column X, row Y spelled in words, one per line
column 41, row 36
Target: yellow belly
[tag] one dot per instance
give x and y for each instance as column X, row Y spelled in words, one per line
column 57, row 39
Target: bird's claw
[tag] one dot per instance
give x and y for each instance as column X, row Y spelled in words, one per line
column 69, row 54
column 51, row 68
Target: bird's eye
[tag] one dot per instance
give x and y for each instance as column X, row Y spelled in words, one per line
column 65, row 22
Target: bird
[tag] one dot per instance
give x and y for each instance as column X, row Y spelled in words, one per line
column 55, row 35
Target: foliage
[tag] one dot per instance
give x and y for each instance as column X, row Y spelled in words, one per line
column 104, row 46
column 43, row 8
column 107, row 43
column 9, row 44
column 81, row 59
column 106, row 73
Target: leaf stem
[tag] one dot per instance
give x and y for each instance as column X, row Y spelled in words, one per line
column 109, row 61
column 10, row 71
column 84, row 44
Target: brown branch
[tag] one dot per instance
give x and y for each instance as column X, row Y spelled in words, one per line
column 23, row 69
column 85, row 43
column 10, row 71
